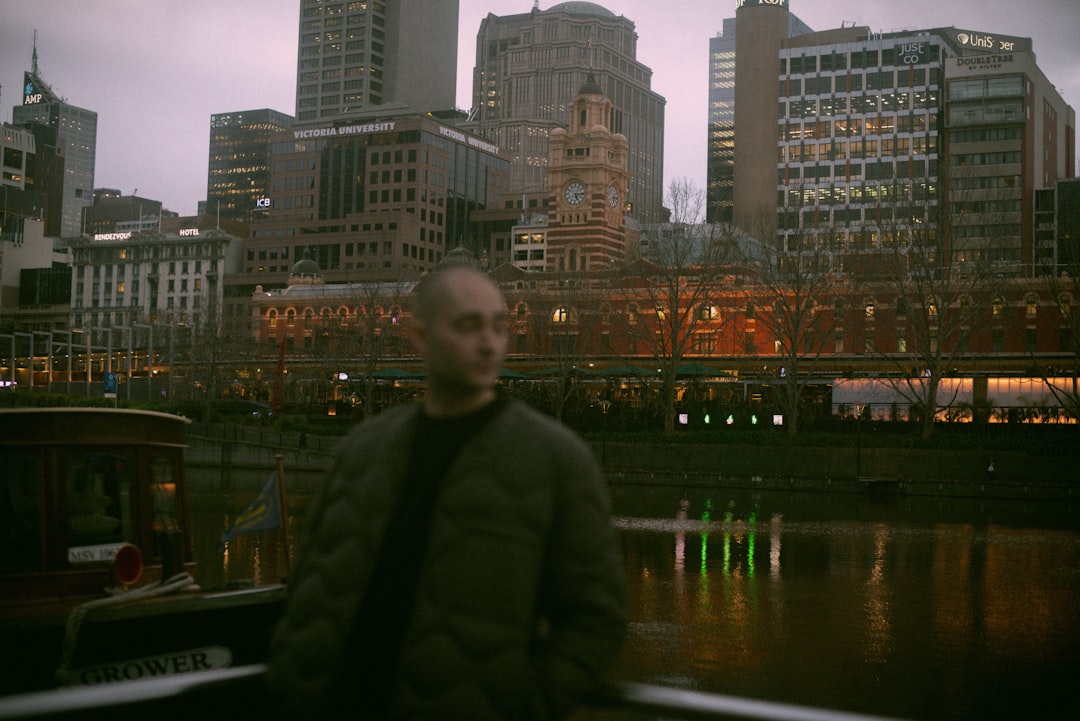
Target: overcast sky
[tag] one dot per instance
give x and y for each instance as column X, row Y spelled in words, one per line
column 156, row 70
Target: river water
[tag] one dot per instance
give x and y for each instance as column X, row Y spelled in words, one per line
column 918, row 608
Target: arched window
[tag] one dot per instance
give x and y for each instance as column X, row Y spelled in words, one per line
column 290, row 316
column 560, row 315
column 271, row 318
column 522, row 311
column 1032, row 305
column 868, row 304
column 998, row 306
column 1065, row 305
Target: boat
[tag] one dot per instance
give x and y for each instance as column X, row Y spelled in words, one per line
column 97, row 579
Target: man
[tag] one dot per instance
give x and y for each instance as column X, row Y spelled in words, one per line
column 460, row 563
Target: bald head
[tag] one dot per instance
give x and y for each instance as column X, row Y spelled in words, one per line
column 459, row 327
column 435, row 288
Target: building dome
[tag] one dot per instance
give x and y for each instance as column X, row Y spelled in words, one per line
column 306, row 265
column 305, row 271
column 582, row 8
column 459, row 256
column 591, row 87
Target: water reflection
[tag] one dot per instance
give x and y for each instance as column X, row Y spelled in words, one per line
column 918, row 608
column 897, row 617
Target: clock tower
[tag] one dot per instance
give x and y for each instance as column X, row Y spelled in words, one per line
column 588, row 181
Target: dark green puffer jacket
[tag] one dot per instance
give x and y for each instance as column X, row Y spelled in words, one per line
column 520, row 607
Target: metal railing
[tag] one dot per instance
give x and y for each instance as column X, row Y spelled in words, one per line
column 235, row 694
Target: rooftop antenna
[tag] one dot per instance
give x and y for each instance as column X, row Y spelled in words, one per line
column 33, row 59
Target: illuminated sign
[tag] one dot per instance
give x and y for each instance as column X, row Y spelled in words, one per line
column 984, row 62
column 990, row 43
column 911, row 53
column 262, row 202
column 468, row 140
column 774, row 3
column 187, row 232
column 31, row 96
column 335, row 132
column 113, row 236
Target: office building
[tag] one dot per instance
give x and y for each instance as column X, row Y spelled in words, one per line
column 720, row 172
column 31, row 179
column 353, row 55
column 874, row 151
column 529, row 68
column 238, row 172
column 76, row 137
column 384, row 195
column 113, row 212
column 1008, row 135
column 168, row 276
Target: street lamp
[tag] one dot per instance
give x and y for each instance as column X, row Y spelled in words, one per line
column 108, row 349
column 11, row 360
column 149, row 359
column 30, row 364
column 70, row 357
column 48, row 358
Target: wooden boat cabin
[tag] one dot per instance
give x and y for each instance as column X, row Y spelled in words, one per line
column 96, row 571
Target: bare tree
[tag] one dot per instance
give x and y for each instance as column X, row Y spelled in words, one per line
column 561, row 322
column 359, row 327
column 794, row 288
column 940, row 282
column 213, row 348
column 1060, row 370
column 674, row 289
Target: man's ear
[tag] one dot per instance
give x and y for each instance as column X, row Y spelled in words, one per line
column 418, row 335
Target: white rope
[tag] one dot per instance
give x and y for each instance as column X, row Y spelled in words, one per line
column 78, row 614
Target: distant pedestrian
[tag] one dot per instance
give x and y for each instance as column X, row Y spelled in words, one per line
column 990, row 470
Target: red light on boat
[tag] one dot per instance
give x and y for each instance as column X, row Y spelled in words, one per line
column 127, row 564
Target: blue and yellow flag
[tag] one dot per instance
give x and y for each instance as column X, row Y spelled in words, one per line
column 262, row 514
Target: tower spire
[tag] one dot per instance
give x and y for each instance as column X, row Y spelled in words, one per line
column 33, row 61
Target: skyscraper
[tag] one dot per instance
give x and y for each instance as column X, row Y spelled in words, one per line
column 238, row 174
column 720, row 175
column 933, row 141
column 529, row 68
column 353, row 55
column 1008, row 135
column 76, row 135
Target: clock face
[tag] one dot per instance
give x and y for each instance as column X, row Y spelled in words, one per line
column 574, row 193
column 613, row 196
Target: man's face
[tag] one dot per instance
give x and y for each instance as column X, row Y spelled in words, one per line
column 465, row 340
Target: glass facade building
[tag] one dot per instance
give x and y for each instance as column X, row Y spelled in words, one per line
column 76, row 137
column 529, row 68
column 238, row 172
column 360, row 53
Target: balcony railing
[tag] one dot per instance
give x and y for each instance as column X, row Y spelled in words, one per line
column 237, row 694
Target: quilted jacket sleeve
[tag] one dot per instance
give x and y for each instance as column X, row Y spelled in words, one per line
column 583, row 597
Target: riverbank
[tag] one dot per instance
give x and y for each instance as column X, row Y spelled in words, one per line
column 838, row 462
column 951, row 472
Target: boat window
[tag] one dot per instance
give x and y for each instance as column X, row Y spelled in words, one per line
column 99, row 500
column 167, row 535
column 20, row 511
